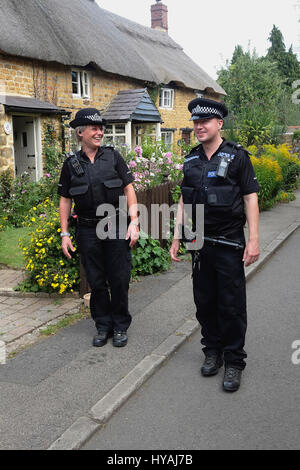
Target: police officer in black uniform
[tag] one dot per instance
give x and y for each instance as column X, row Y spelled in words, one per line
column 94, row 176
column 219, row 175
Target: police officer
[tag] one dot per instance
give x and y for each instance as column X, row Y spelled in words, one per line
column 94, row 176
column 219, row 175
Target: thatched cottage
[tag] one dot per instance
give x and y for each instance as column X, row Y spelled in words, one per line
column 57, row 56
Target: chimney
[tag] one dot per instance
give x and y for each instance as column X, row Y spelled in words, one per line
column 159, row 16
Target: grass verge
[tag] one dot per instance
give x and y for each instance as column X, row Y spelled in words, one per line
column 10, row 253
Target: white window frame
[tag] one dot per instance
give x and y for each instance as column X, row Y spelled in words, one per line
column 166, row 98
column 83, row 84
column 164, row 134
column 115, row 134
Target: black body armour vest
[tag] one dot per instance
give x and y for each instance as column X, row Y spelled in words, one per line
column 92, row 185
column 221, row 196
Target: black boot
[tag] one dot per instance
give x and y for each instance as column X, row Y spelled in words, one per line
column 120, row 338
column 101, row 338
column 232, row 379
column 211, row 364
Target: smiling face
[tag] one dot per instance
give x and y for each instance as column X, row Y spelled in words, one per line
column 207, row 130
column 91, row 136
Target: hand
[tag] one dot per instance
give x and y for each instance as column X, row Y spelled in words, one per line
column 251, row 253
column 133, row 233
column 66, row 244
column 174, row 250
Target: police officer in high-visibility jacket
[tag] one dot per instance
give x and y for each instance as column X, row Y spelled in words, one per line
column 219, row 175
column 98, row 175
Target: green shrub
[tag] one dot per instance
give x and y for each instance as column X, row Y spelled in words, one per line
column 289, row 164
column 49, row 270
column 148, row 257
column 269, row 178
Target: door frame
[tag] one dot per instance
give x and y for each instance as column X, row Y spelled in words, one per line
column 37, row 143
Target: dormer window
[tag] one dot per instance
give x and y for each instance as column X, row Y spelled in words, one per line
column 80, row 84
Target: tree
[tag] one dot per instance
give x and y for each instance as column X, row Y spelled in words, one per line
column 254, row 88
column 286, row 61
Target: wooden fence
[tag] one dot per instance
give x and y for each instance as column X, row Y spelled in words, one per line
column 158, row 195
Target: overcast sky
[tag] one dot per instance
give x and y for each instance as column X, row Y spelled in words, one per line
column 209, row 30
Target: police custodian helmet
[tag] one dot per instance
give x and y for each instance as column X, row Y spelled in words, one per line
column 202, row 108
column 87, row 117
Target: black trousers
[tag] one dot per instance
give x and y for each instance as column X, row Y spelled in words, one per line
column 107, row 265
column 219, row 288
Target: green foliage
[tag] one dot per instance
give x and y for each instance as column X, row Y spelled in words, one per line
column 296, row 135
column 286, row 62
column 277, row 173
column 24, row 194
column 49, row 270
column 51, row 150
column 176, row 194
column 289, row 164
column 259, row 93
column 6, row 183
column 152, row 164
column 148, row 257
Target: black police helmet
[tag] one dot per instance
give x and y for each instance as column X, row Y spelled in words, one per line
column 202, row 108
column 87, row 117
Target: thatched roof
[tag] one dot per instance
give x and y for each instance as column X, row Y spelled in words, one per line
column 79, row 32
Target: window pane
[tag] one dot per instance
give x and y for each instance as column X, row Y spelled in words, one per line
column 120, row 128
column 119, row 140
column 167, row 137
column 108, row 129
column 167, row 98
column 108, row 140
column 75, row 90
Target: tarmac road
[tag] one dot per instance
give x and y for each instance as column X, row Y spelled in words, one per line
column 179, row 409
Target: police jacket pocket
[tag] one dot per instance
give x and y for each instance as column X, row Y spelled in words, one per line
column 188, row 194
column 220, row 196
column 78, row 190
column 113, row 190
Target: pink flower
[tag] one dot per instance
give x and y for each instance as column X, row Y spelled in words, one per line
column 138, row 150
column 132, row 164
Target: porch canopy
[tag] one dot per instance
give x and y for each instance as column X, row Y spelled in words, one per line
column 132, row 105
column 21, row 104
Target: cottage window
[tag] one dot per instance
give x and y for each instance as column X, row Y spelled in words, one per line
column 167, row 138
column 115, row 134
column 142, row 132
column 166, row 98
column 80, row 84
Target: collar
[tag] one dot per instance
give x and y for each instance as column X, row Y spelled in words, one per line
column 82, row 155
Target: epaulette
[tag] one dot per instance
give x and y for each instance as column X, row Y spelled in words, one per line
column 238, row 147
column 69, row 155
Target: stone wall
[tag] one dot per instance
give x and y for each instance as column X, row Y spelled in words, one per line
column 6, row 143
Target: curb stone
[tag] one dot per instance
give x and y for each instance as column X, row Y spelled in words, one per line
column 82, row 429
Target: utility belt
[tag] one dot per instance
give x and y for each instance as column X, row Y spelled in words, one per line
column 92, row 222
column 85, row 222
column 214, row 240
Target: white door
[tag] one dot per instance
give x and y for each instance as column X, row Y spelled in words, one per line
column 25, row 146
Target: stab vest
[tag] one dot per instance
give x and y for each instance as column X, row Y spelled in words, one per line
column 221, row 197
column 92, row 185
